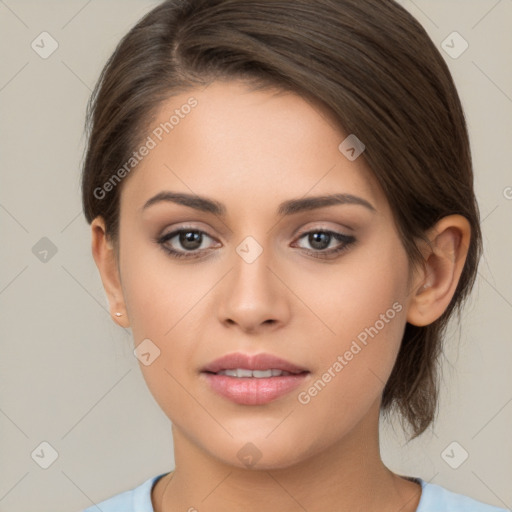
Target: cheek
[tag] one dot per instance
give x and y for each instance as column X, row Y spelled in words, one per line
column 351, row 296
column 362, row 302
column 158, row 291
column 163, row 301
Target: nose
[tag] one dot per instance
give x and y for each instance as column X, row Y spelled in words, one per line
column 253, row 296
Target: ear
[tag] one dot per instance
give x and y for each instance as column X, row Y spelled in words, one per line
column 435, row 283
column 105, row 257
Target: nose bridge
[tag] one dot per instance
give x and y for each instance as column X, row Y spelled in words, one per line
column 252, row 294
column 251, row 273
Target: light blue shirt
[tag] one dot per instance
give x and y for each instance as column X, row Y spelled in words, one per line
column 434, row 498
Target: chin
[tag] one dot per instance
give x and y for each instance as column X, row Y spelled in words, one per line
column 258, row 452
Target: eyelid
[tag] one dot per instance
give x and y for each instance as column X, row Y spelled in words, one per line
column 296, row 233
column 176, row 228
column 342, row 229
column 176, row 231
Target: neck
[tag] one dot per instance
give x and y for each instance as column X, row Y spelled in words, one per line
column 346, row 476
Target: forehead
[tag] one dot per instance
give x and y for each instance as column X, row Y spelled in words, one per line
column 246, row 146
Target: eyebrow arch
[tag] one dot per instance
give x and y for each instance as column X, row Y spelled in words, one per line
column 289, row 207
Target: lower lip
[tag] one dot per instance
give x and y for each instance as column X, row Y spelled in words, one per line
column 251, row 390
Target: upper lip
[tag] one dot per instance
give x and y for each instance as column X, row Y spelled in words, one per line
column 251, row 362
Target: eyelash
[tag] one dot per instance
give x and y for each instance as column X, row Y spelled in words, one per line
column 320, row 254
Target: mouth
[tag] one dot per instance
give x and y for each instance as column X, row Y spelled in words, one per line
column 255, row 363
column 242, row 373
column 253, row 379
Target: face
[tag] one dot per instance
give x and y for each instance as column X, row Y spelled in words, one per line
column 323, row 288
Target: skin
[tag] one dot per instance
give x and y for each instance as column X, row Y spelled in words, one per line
column 251, row 150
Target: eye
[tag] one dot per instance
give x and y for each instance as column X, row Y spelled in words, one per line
column 189, row 239
column 321, row 239
column 187, row 242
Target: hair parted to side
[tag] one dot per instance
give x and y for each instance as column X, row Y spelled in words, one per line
column 370, row 62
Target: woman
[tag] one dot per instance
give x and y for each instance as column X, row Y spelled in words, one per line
column 282, row 210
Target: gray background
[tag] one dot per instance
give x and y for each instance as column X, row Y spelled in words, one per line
column 68, row 376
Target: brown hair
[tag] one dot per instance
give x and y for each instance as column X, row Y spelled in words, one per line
column 370, row 62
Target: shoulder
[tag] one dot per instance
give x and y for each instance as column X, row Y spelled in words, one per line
column 435, row 498
column 137, row 499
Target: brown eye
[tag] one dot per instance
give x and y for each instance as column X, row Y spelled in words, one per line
column 190, row 240
column 183, row 242
column 320, row 241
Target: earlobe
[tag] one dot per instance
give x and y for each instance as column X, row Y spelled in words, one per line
column 105, row 257
column 445, row 255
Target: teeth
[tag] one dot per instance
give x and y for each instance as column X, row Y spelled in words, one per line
column 262, row 373
column 258, row 374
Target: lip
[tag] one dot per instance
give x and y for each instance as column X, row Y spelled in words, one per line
column 260, row 361
column 248, row 390
column 253, row 391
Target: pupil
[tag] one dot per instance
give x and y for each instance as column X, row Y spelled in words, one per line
column 190, row 239
column 318, row 240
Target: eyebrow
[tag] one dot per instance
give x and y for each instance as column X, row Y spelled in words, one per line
column 289, row 207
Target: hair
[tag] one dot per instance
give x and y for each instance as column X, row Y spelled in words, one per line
column 376, row 70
